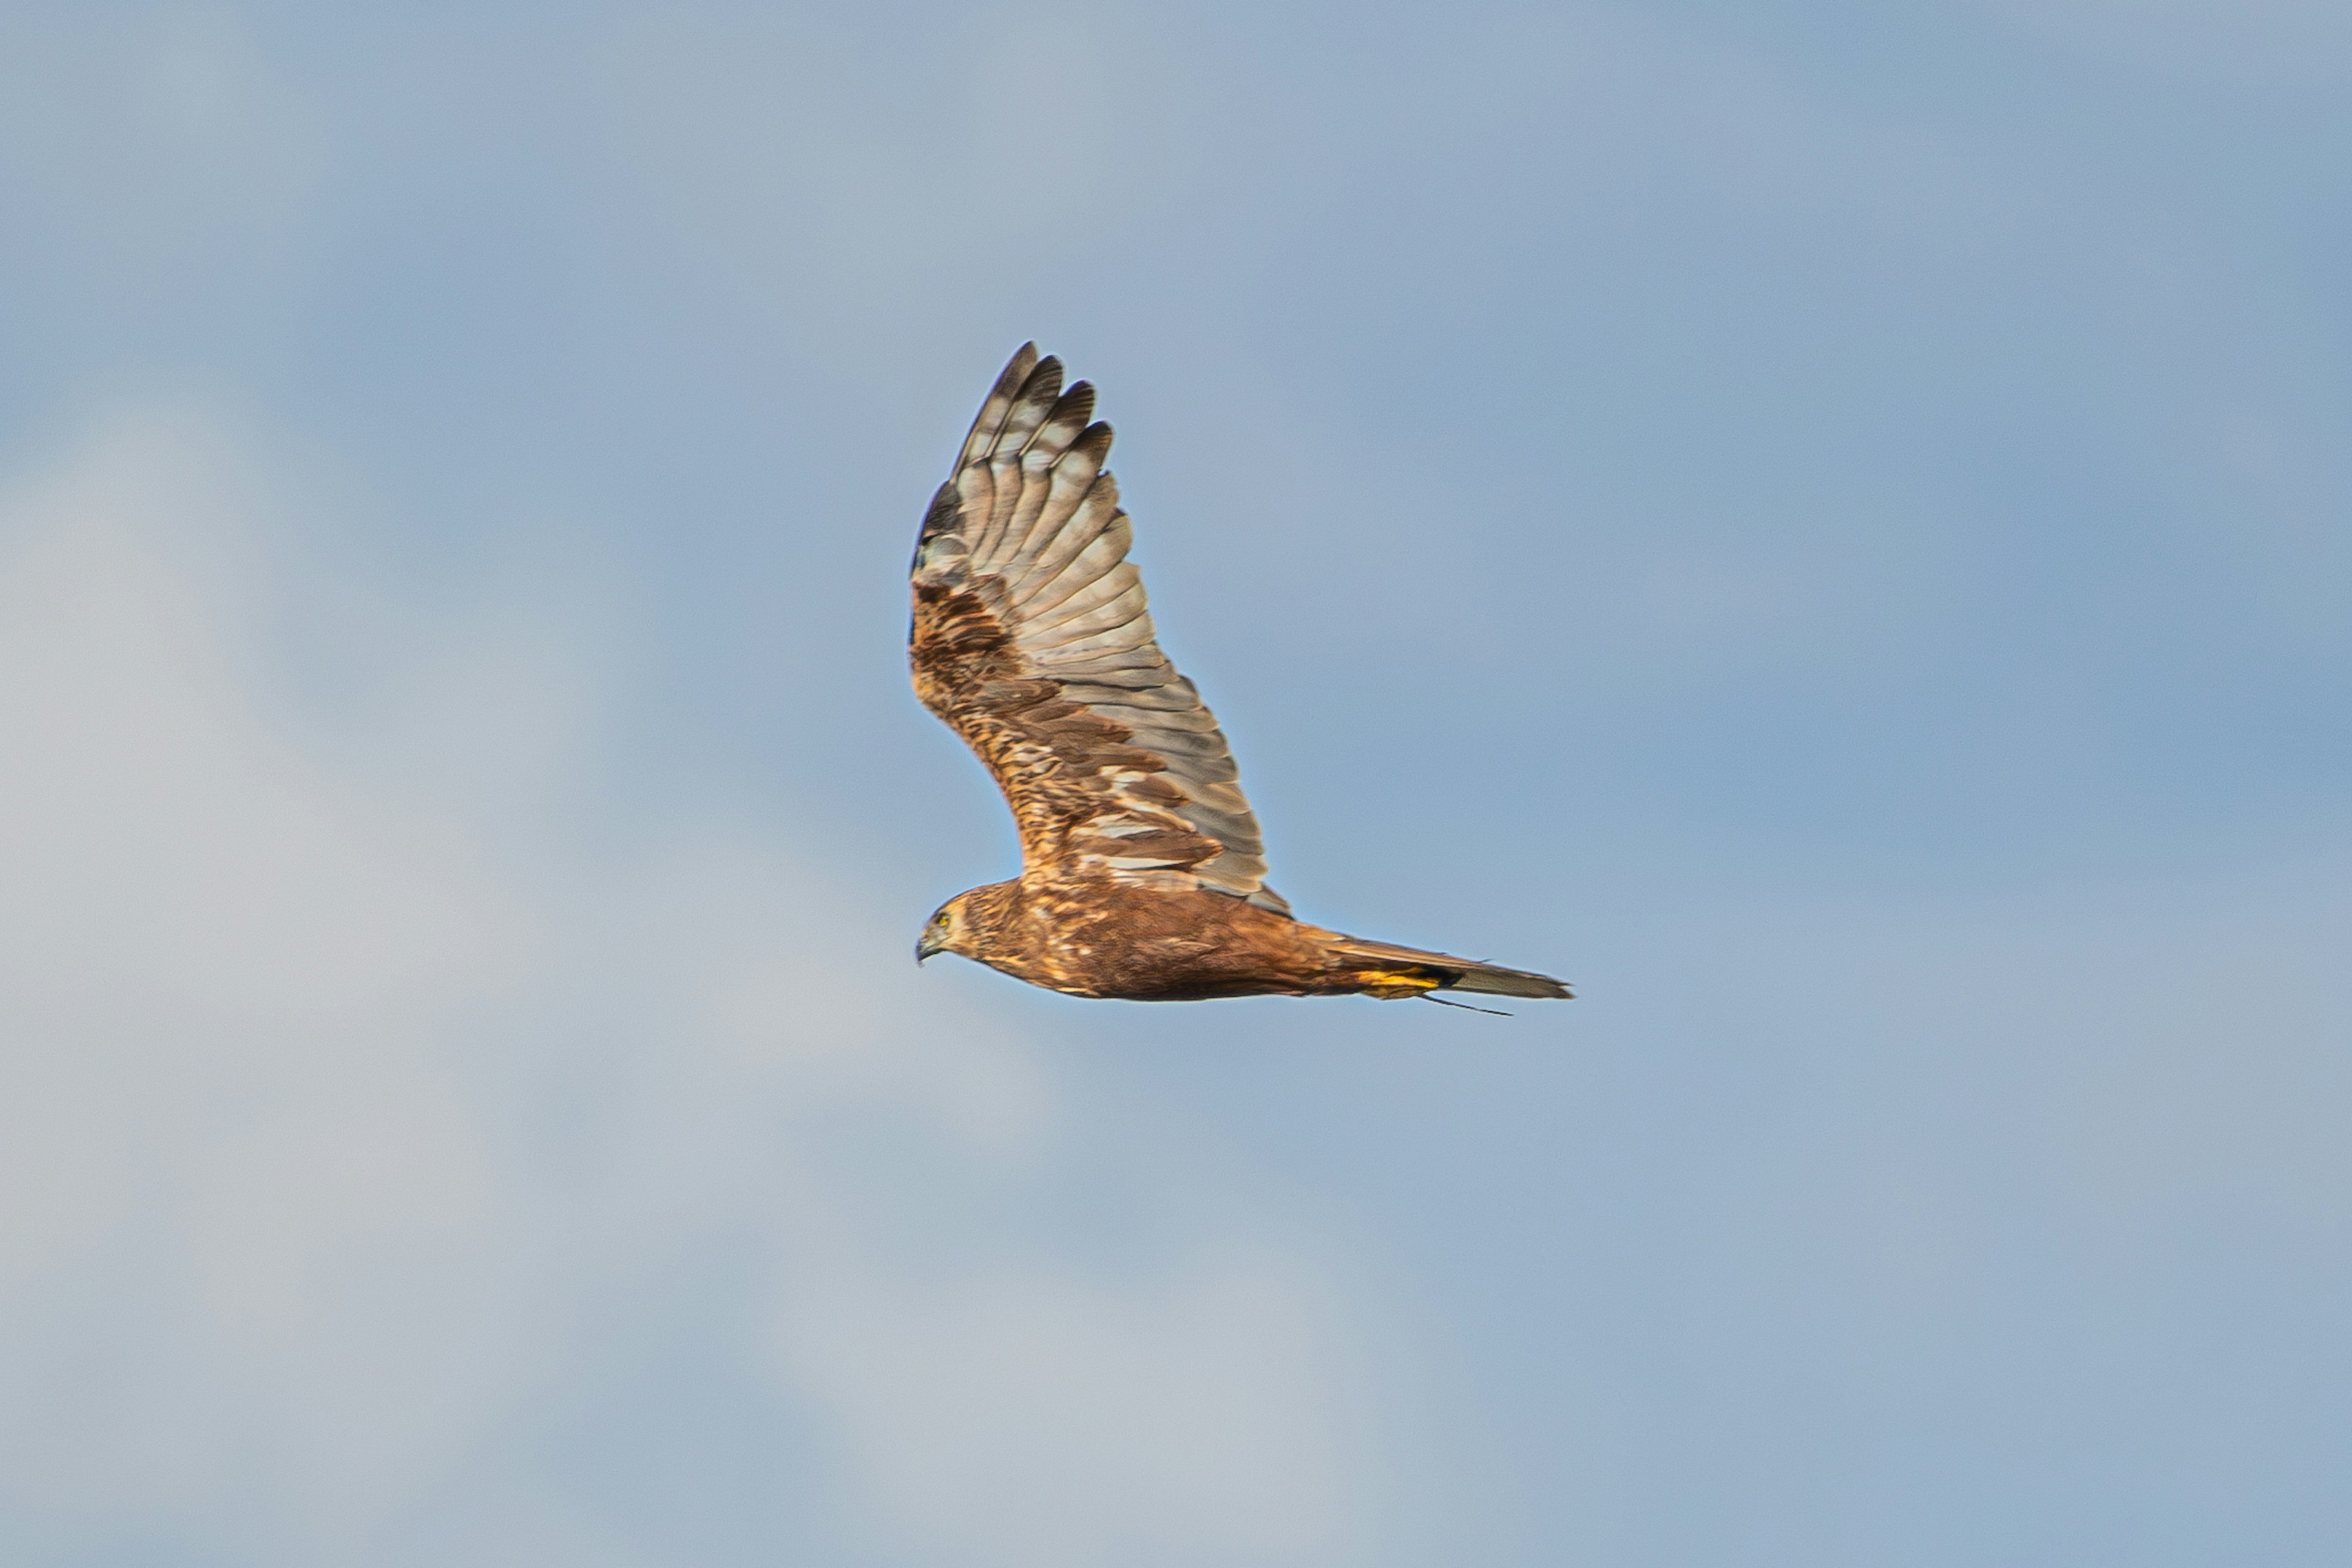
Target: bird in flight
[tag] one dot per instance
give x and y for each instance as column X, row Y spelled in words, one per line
column 1142, row 875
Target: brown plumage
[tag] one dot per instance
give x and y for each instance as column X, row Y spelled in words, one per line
column 1142, row 875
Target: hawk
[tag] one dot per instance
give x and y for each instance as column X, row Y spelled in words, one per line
column 1142, row 875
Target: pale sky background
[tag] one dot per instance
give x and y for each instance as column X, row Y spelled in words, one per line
column 1828, row 526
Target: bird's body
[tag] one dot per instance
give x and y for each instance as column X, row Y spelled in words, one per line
column 1142, row 872
column 1096, row 937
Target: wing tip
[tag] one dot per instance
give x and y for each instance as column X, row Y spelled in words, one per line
column 1000, row 401
column 1015, row 375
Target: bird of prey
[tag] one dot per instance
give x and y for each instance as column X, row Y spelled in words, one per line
column 1142, row 875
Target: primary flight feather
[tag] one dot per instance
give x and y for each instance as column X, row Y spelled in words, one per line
column 1142, row 873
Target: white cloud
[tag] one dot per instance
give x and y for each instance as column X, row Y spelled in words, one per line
column 947, row 1398
column 174, row 854
column 296, row 1239
column 249, row 1211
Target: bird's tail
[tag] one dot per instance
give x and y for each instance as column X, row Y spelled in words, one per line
column 1387, row 971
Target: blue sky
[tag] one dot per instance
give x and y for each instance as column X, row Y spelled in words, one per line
column 1825, row 525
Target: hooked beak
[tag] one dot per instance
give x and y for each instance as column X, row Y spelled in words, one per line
column 923, row 947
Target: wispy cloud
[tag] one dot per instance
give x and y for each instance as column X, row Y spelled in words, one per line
column 333, row 1134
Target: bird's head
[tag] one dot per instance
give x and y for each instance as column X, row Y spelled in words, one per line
column 950, row 930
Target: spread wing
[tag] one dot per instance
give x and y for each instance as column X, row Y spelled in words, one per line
column 1030, row 640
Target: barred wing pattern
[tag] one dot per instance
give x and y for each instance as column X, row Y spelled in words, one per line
column 1031, row 638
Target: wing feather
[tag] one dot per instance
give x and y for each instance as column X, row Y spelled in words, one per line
column 1040, row 459
column 1124, row 638
column 993, row 408
column 1028, row 412
column 1117, row 593
column 1033, row 639
column 1103, row 547
column 1070, row 484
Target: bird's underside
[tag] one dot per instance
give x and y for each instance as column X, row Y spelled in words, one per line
column 1143, row 874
